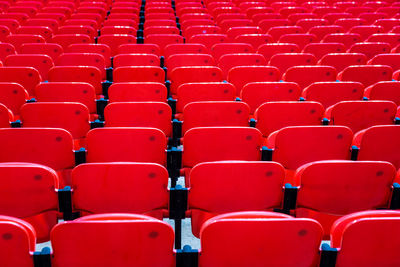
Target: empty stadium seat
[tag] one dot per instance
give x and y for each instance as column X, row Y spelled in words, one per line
column 389, row 59
column 272, row 116
column 306, row 75
column 286, row 60
column 268, row 50
column 50, row 49
column 297, row 145
column 92, row 197
column 359, row 115
column 73, row 117
column 366, row 74
column 101, row 49
column 274, row 232
column 342, row 60
column 157, row 239
column 228, row 61
column 28, row 77
column 137, row 91
column 241, row 75
column 356, row 236
column 42, row 63
column 205, row 199
column 130, row 144
column 329, row 93
column 384, row 90
column 13, row 96
column 126, row 60
column 378, row 143
column 19, row 238
column 139, row 74
column 50, row 147
column 256, row 93
column 327, row 199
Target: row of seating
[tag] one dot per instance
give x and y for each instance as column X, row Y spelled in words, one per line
column 276, row 239
column 269, row 117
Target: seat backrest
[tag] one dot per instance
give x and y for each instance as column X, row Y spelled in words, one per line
column 76, row 243
column 137, row 91
column 331, row 189
column 28, row 77
column 102, row 49
column 42, row 63
column 306, row 75
column 122, row 60
column 342, row 60
column 215, row 113
column 276, row 235
column 139, row 74
column 228, row 61
column 272, row 116
column 19, row 238
column 357, row 234
column 139, row 114
column 73, row 117
column 13, row 96
column 83, row 59
column 80, row 92
column 256, row 93
column 366, row 74
column 385, row 90
column 115, row 40
column 359, row 115
column 126, row 144
column 50, row 49
column 379, row 143
column 101, row 188
column 218, row 187
column 286, row 60
column 221, row 143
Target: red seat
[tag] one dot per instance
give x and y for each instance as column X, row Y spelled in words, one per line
column 274, row 234
column 6, row 116
column 200, row 29
column 115, row 40
column 187, row 60
column 42, row 63
column 277, row 31
column 322, row 31
column 162, row 40
column 139, row 114
column 272, row 116
column 326, row 200
column 28, row 77
column 19, row 39
column 321, row 49
column 139, row 74
column 50, row 147
column 183, row 75
column 163, row 30
column 87, row 74
column 68, row 238
column 379, row 143
column 366, row 74
column 101, row 49
column 329, row 93
column 92, row 197
column 73, row 117
column 33, row 198
column 50, row 49
column 286, row 60
column 5, row 50
column 42, row 31
column 256, row 93
column 122, row 60
column 204, row 91
column 348, row 23
column 365, row 30
column 215, row 113
column 241, row 75
column 389, row 59
column 390, row 38
column 385, row 90
column 340, row 61
column 269, row 50
column 139, row 49
column 204, row 144
column 370, row 49
column 348, row 39
column 301, row 39
column 306, row 75
column 208, row 39
column 137, row 91
column 228, row 61
column 295, row 146
column 130, row 144
column 261, row 192
column 375, row 227
column 218, row 50
column 80, row 92
column 78, row 29
column 118, row 30
column 67, row 39
column 186, row 48
column 359, row 115
column 234, row 32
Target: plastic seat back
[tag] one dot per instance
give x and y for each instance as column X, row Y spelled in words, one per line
column 262, row 192
column 13, row 96
column 306, row 75
column 316, row 195
column 139, row 74
column 156, row 237
column 366, row 74
column 42, row 63
column 150, row 179
column 385, row 90
column 50, row 49
column 287, row 60
column 342, row 60
column 274, row 234
column 28, row 77
column 130, row 144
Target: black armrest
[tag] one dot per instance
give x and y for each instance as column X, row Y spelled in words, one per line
column 105, row 85
column 65, row 204
column 178, row 199
column 328, row 256
column 187, row 257
column 80, row 156
column 354, row 152
column 395, row 201
column 42, row 258
column 100, row 106
column 266, row 153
